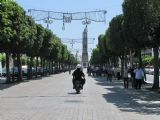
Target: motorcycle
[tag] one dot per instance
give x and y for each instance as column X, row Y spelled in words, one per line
column 78, row 86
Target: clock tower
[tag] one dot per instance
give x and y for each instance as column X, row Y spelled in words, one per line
column 85, row 48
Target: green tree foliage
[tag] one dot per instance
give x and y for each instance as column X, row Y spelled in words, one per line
column 64, row 53
column 2, row 59
column 19, row 34
column 102, row 45
column 6, row 31
column 135, row 25
column 47, row 44
column 39, row 39
column 95, row 57
column 116, row 38
column 147, row 60
column 141, row 19
column 56, row 50
column 31, row 41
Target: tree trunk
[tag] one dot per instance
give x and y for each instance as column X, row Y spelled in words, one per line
column 7, row 68
column 140, row 57
column 156, row 69
column 52, row 66
column 30, row 67
column 28, row 70
column 122, row 65
column 42, row 67
column 131, row 58
column 36, row 66
column 13, row 76
column 19, row 67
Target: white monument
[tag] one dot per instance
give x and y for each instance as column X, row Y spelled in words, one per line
column 85, row 49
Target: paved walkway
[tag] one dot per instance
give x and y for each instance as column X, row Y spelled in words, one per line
column 52, row 98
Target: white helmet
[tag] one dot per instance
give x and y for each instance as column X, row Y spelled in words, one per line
column 78, row 66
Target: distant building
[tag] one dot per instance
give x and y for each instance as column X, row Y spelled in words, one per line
column 148, row 52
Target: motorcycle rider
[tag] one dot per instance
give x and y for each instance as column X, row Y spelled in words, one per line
column 78, row 75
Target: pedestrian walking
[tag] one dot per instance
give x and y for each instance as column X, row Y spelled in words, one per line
column 110, row 75
column 106, row 73
column 139, row 76
column 132, row 74
column 69, row 71
column 125, row 77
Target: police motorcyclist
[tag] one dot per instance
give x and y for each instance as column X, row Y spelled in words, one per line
column 78, row 75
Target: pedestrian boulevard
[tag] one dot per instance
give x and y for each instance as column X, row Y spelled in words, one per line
column 52, row 98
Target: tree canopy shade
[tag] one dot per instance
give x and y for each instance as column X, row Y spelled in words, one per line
column 116, row 40
column 135, row 25
column 95, row 58
column 102, row 44
column 47, row 43
column 31, row 43
column 19, row 35
column 6, row 0
column 141, row 17
column 141, row 21
column 6, row 31
column 39, row 37
column 153, row 22
column 13, row 30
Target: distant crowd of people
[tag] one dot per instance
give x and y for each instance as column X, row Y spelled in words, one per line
column 137, row 76
column 134, row 74
column 109, row 72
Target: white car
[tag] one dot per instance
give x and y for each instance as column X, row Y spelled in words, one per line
column 149, row 70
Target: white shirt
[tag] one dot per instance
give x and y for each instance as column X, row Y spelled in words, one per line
column 139, row 74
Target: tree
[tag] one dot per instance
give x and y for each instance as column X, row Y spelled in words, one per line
column 21, row 37
column 31, row 48
column 153, row 22
column 46, row 47
column 141, row 18
column 95, row 57
column 135, row 26
column 6, row 32
column 147, row 60
column 102, row 48
column 116, row 41
column 38, row 43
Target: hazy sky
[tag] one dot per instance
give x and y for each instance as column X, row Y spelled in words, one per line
column 75, row 28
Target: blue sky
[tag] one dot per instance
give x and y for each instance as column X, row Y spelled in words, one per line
column 75, row 28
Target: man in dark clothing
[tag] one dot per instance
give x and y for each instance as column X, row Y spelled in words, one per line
column 132, row 74
column 78, row 75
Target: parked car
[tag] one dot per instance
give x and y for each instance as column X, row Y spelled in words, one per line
column 149, row 69
column 13, row 71
column 24, row 70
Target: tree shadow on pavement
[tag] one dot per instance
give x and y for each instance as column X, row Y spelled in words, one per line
column 6, row 86
column 13, row 83
column 131, row 100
